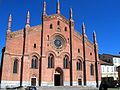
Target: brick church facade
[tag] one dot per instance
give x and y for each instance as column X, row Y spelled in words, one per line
column 50, row 54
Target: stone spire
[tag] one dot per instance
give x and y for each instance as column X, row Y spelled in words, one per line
column 28, row 19
column 44, row 9
column 83, row 29
column 58, row 7
column 71, row 15
column 9, row 23
column 94, row 38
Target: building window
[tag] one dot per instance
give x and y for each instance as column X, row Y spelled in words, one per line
column 68, row 40
column 48, row 37
column 115, row 69
column 111, row 69
column 78, row 50
column 50, row 61
column 103, row 69
column 91, row 69
column 65, row 29
column 34, row 63
column 51, row 26
column 66, row 61
column 79, row 65
column 107, row 69
column 115, row 61
column 34, row 45
column 58, row 22
column 119, row 61
column 90, row 53
column 15, row 66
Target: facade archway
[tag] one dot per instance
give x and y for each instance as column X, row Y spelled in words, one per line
column 58, row 77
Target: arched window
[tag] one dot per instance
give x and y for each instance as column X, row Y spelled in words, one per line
column 65, row 29
column 78, row 50
column 50, row 61
column 58, row 22
column 79, row 64
column 34, row 63
column 15, row 66
column 51, row 26
column 34, row 45
column 48, row 37
column 91, row 69
column 66, row 61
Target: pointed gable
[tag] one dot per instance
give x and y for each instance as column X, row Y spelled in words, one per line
column 57, row 16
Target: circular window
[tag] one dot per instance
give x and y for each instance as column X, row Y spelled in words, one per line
column 58, row 42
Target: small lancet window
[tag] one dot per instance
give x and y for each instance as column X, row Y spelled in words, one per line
column 48, row 37
column 78, row 50
column 68, row 40
column 15, row 66
column 65, row 29
column 58, row 22
column 34, row 45
column 90, row 53
column 51, row 26
column 91, row 69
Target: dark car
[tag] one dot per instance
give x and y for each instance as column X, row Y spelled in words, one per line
column 111, row 84
column 31, row 88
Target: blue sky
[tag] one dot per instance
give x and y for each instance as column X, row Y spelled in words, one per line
column 102, row 16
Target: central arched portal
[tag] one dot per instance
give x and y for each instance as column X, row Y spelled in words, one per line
column 58, row 77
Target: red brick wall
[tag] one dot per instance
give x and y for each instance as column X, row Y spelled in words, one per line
column 14, row 47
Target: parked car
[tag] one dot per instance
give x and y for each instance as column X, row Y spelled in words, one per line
column 30, row 88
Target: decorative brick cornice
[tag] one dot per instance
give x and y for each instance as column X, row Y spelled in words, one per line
column 59, row 16
column 35, row 28
column 79, row 36
column 13, row 54
column 20, row 32
column 14, row 34
column 89, row 43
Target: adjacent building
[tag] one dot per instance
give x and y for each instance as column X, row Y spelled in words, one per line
column 50, row 54
column 109, row 64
